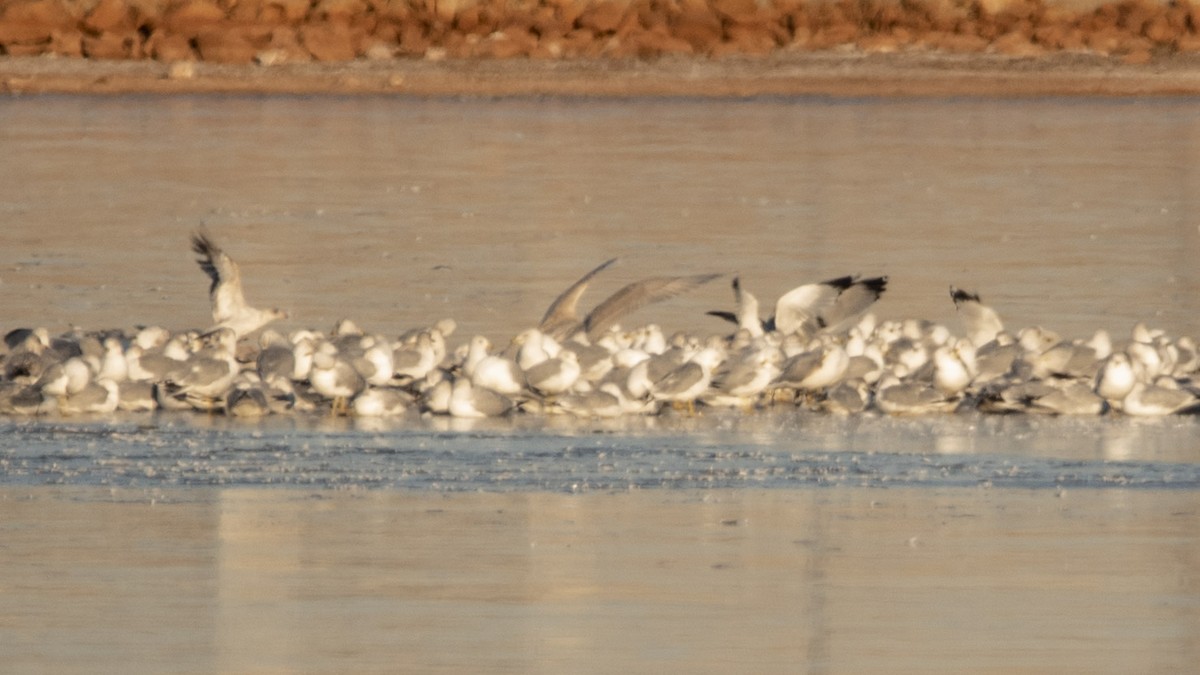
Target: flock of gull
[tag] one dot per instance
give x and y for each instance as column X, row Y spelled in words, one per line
column 821, row 349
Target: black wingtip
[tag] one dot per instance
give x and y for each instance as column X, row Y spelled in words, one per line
column 728, row 316
column 876, row 285
column 202, row 244
column 960, row 296
column 840, row 283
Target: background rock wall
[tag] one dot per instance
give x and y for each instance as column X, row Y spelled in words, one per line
column 277, row 31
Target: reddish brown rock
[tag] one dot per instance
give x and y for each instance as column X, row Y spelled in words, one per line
column 473, row 19
column 283, row 47
column 123, row 45
column 412, row 40
column 879, row 43
column 18, row 49
column 1137, row 57
column 169, row 47
column 12, row 34
column 374, row 50
column 110, row 15
column 344, row 10
column 652, row 16
column 329, row 41
column 392, row 10
column 1178, row 16
column 251, row 11
column 1158, row 29
column 639, row 43
column 1016, row 43
column 833, row 36
column 286, row 11
column 192, row 17
column 1135, row 43
column 748, row 39
column 1072, row 40
column 658, row 42
column 739, row 11
column 958, row 43
column 565, row 11
column 1050, row 35
column 1105, row 41
column 337, row 30
column 53, row 14
column 1192, row 9
column 385, row 33
column 445, row 10
column 1133, row 15
column 507, row 45
column 220, row 45
column 602, row 17
column 1104, row 17
column 947, row 16
column 27, row 22
column 67, row 43
column 545, row 22
column 456, row 46
column 698, row 26
column 575, row 42
column 1188, row 43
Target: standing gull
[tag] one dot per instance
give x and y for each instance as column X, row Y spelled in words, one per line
column 335, row 378
column 562, row 319
column 229, row 306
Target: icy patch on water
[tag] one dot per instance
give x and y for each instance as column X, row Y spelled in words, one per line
column 715, row 451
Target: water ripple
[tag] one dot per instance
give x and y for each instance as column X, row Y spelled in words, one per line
column 775, row 453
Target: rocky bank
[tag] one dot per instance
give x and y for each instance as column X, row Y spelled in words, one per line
column 273, row 32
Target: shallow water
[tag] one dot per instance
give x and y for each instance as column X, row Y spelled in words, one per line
column 730, row 450
column 897, row 580
column 772, row 542
column 1075, row 214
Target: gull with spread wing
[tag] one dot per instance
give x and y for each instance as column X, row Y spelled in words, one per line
column 824, row 307
column 229, row 306
column 562, row 320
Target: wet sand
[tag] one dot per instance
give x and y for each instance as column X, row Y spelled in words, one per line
column 825, row 73
column 838, row 580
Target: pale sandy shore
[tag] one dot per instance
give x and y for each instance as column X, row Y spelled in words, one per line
column 834, row 74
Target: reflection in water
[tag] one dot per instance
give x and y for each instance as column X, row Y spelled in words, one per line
column 809, row 580
column 1073, row 214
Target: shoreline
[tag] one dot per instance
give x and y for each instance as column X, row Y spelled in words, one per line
column 851, row 74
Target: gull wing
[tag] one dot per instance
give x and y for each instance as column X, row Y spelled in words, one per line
column 226, row 289
column 982, row 322
column 851, row 303
column 799, row 308
column 746, row 309
column 562, row 316
column 638, row 295
column 745, row 313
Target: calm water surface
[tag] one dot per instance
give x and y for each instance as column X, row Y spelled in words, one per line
column 773, row 543
column 1072, row 214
